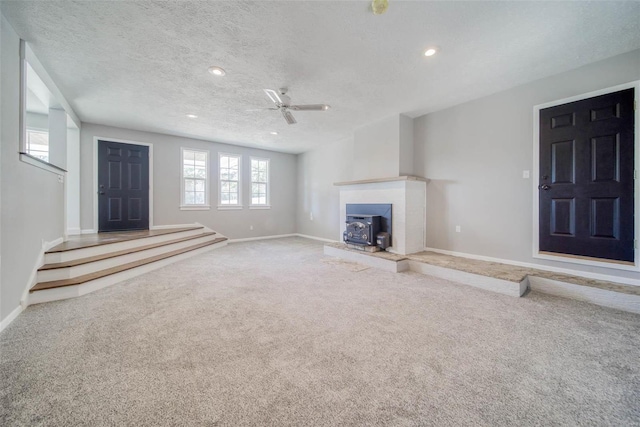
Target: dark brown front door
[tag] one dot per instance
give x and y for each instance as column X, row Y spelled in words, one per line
column 587, row 177
column 123, row 186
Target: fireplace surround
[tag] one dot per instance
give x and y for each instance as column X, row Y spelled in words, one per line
column 407, row 196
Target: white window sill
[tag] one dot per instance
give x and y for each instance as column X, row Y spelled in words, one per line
column 34, row 161
column 230, row 207
column 260, row 207
column 195, row 207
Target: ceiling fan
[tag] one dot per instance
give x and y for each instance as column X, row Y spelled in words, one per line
column 283, row 103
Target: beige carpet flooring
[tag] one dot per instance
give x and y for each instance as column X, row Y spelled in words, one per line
column 267, row 334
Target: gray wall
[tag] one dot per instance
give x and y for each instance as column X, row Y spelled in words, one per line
column 475, row 154
column 317, row 196
column 280, row 219
column 32, row 207
column 378, row 145
column 406, row 146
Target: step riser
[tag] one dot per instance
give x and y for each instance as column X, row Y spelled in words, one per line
column 492, row 284
column 602, row 297
column 66, row 292
column 92, row 267
column 51, row 258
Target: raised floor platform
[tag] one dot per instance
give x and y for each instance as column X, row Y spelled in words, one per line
column 86, row 263
column 99, row 239
column 497, row 277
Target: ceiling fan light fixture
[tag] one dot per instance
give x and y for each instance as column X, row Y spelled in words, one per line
column 379, row 6
column 217, row 71
column 325, row 107
column 431, row 51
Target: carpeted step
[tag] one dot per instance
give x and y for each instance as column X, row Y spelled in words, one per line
column 124, row 267
column 108, row 255
column 87, row 246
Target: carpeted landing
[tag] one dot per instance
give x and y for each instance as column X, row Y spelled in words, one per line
column 265, row 333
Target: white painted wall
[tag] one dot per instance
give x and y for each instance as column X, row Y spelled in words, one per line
column 72, row 184
column 58, row 137
column 405, row 146
column 2, row 314
column 318, row 212
column 475, row 153
column 377, row 148
column 280, row 219
column 32, row 206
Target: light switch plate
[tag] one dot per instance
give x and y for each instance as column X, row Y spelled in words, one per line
column 525, row 174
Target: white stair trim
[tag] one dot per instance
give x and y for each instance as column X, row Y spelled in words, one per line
column 65, row 292
column 74, row 254
column 103, row 264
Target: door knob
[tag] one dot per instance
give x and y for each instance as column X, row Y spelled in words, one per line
column 544, row 187
column 100, row 192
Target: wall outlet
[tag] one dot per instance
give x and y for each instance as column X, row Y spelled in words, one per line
column 458, row 229
column 251, row 227
column 525, row 174
column 310, row 216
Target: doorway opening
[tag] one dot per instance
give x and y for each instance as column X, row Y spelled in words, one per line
column 123, row 187
column 585, row 152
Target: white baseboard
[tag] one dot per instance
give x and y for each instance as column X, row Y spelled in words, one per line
column 48, row 245
column 251, row 239
column 88, row 231
column 322, row 239
column 11, row 317
column 166, row 227
column 73, row 231
column 596, row 276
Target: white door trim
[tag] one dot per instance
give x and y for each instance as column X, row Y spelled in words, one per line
column 95, row 176
column 536, row 179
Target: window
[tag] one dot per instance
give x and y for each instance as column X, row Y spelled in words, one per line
column 195, row 174
column 38, row 144
column 229, row 180
column 259, row 182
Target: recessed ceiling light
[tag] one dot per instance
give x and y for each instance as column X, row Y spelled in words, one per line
column 217, row 71
column 192, row 116
column 325, row 107
column 273, row 132
column 431, row 51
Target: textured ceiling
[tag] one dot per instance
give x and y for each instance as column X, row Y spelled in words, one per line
column 143, row 65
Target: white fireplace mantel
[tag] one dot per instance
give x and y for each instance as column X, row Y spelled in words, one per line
column 406, row 194
column 377, row 180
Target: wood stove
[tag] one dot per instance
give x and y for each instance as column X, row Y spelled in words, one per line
column 362, row 229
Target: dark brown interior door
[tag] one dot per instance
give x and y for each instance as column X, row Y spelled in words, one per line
column 123, row 186
column 587, row 177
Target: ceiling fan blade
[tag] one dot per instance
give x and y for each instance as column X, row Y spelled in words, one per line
column 288, row 117
column 262, row 109
column 310, row 107
column 273, row 96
